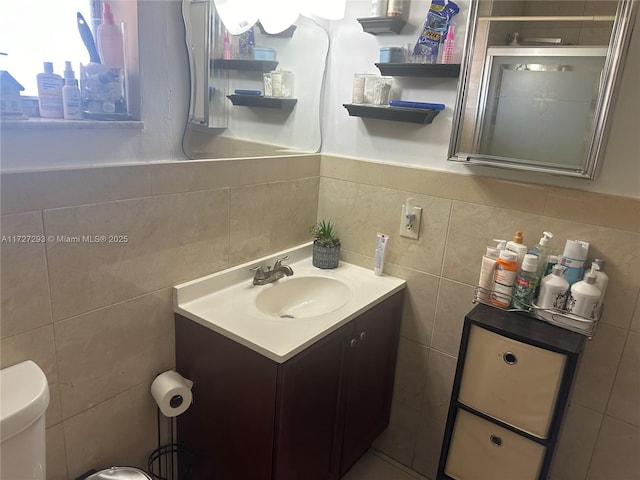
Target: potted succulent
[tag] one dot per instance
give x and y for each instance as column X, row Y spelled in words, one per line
column 326, row 245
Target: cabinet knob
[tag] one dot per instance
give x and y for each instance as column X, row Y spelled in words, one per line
column 363, row 335
column 510, row 358
column 495, row 440
column 352, row 343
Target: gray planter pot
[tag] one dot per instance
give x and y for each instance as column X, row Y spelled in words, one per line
column 326, row 257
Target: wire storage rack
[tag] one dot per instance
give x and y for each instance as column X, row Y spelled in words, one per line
column 554, row 316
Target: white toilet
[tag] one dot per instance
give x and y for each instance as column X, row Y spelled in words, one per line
column 24, row 397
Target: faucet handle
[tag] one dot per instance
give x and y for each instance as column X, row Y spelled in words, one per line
column 259, row 271
column 279, row 261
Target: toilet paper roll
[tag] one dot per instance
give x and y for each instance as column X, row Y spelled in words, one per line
column 172, row 393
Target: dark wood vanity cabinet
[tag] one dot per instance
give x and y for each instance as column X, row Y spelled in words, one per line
column 510, row 392
column 309, row 418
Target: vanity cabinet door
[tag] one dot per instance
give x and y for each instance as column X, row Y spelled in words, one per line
column 372, row 351
column 308, row 413
column 512, row 381
column 481, row 450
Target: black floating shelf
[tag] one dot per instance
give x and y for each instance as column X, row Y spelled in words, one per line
column 265, row 102
column 382, row 25
column 442, row 70
column 396, row 114
column 247, row 65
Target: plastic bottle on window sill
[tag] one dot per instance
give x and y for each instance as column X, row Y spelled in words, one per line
column 50, row 93
column 110, row 41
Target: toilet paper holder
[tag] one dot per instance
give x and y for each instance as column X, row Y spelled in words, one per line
column 172, row 394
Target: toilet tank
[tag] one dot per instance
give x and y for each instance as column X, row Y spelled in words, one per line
column 24, row 397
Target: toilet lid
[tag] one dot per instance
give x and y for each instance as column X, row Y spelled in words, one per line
column 119, row 473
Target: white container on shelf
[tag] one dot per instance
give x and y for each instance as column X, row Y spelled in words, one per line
column 602, row 279
column 553, row 290
column 584, row 299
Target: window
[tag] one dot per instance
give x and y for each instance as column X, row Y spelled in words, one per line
column 37, row 31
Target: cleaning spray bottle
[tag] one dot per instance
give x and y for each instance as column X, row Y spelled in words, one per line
column 110, row 44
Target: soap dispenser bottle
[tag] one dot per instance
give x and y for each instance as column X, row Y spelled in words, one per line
column 602, row 279
column 553, row 289
column 542, row 250
column 516, row 246
column 584, row 298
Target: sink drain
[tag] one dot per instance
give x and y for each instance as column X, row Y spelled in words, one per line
column 286, row 315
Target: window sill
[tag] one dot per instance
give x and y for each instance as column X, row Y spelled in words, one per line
column 59, row 124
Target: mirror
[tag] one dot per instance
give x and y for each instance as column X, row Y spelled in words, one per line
column 226, row 122
column 538, row 82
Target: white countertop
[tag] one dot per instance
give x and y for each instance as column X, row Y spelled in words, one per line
column 225, row 303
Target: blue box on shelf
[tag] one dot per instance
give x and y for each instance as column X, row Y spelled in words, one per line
column 264, row 53
column 391, row 55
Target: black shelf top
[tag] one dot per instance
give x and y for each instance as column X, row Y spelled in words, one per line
column 396, row 114
column 382, row 25
column 526, row 329
column 265, row 102
column 247, row 65
column 442, row 70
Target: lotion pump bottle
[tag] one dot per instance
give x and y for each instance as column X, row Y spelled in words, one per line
column 516, row 246
column 584, row 298
column 542, row 251
column 110, row 44
column 602, row 279
column 553, row 289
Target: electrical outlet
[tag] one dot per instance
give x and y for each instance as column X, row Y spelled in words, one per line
column 410, row 220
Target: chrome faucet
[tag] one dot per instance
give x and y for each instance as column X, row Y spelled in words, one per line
column 270, row 275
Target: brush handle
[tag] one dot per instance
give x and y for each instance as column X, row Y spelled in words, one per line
column 87, row 38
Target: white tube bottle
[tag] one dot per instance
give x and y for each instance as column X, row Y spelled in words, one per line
column 488, row 269
column 381, row 245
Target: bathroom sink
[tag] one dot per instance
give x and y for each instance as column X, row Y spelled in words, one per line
column 303, row 297
column 280, row 319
